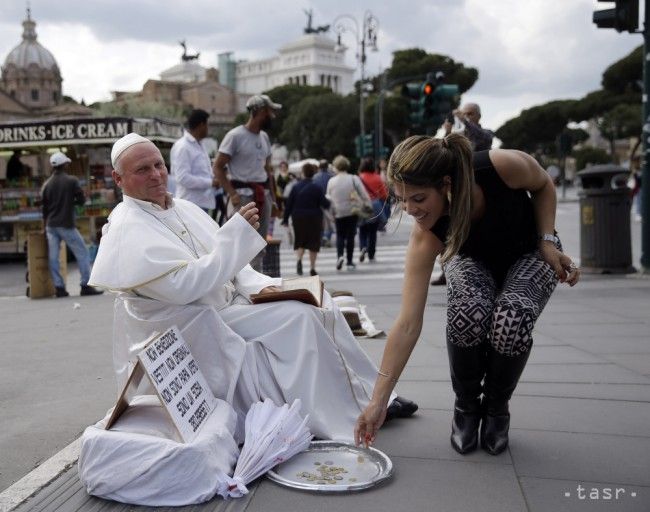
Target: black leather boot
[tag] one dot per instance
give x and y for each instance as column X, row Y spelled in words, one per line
column 467, row 366
column 502, row 376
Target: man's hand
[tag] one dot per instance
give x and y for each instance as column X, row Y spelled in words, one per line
column 270, row 289
column 250, row 213
column 235, row 200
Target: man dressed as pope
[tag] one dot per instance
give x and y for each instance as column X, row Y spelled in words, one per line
column 171, row 264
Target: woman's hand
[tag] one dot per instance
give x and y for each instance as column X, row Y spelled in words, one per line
column 368, row 423
column 250, row 213
column 564, row 268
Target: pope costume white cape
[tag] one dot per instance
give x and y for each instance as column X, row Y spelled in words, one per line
column 175, row 266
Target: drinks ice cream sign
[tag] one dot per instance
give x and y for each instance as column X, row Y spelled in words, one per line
column 78, row 130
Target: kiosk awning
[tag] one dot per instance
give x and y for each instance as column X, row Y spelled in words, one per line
column 86, row 130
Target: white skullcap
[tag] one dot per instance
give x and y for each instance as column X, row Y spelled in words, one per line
column 121, row 145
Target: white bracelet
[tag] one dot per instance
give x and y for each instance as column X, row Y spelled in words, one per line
column 384, row 374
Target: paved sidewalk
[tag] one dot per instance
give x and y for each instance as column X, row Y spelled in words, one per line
column 580, row 436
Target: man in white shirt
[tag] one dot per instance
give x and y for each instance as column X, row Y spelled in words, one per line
column 190, row 164
column 246, row 150
column 171, row 264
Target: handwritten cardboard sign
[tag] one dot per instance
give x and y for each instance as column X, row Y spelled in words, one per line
column 178, row 381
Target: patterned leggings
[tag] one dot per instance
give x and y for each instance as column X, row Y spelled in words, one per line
column 477, row 311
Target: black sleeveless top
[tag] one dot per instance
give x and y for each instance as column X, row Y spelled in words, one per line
column 507, row 229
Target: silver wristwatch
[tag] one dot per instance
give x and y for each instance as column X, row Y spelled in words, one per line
column 548, row 237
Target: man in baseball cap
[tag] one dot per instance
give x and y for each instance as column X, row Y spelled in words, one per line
column 246, row 152
column 260, row 101
column 58, row 159
column 59, row 195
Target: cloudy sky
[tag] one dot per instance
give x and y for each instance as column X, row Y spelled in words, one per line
column 527, row 51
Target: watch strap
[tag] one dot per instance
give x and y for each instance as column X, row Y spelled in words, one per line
column 549, row 237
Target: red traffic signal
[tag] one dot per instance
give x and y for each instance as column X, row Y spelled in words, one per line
column 428, row 88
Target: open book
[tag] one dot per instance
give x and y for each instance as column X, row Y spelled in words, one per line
column 304, row 289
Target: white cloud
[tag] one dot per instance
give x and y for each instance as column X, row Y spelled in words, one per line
column 527, row 52
column 91, row 69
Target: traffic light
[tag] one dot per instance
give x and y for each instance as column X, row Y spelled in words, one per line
column 430, row 101
column 624, row 16
column 364, row 145
column 368, row 144
column 442, row 103
column 414, row 91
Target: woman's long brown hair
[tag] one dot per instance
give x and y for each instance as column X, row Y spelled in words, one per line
column 424, row 161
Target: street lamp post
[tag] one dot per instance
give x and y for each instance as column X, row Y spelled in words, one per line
column 366, row 37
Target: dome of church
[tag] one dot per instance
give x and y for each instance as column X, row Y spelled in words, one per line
column 30, row 73
column 30, row 51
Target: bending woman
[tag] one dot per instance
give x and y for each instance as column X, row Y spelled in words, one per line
column 491, row 217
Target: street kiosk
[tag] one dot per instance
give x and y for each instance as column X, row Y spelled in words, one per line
column 87, row 142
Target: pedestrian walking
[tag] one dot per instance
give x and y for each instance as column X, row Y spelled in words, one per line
column 59, row 195
column 491, row 217
column 246, row 150
column 321, row 179
column 281, row 181
column 190, row 163
column 341, row 190
column 378, row 193
column 305, row 206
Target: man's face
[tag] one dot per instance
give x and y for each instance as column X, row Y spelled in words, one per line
column 144, row 174
column 471, row 114
column 269, row 116
column 202, row 130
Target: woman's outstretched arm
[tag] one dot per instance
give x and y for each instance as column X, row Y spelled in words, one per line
column 420, row 256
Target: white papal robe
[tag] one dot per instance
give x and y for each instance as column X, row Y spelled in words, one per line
column 175, row 266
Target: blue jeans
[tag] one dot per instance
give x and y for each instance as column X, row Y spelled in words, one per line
column 73, row 240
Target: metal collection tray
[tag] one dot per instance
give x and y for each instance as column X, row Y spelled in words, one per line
column 333, row 466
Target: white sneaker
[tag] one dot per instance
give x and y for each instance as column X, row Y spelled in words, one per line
column 339, row 263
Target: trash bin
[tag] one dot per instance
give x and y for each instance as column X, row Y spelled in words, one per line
column 271, row 260
column 605, row 240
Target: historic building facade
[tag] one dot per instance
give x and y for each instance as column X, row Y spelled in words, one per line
column 314, row 59
column 30, row 85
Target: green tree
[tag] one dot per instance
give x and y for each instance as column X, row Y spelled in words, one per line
column 417, row 62
column 395, row 118
column 536, row 128
column 622, row 121
column 412, row 62
column 322, row 126
column 626, row 74
column 289, row 96
column 590, row 155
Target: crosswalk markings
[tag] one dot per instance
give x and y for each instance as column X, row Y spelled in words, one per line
column 389, row 264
